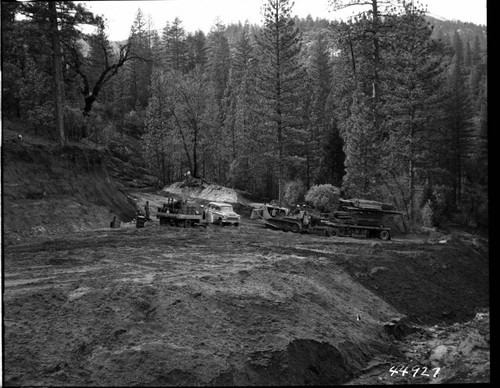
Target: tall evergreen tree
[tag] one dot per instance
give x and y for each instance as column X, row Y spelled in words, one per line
column 321, row 115
column 59, row 21
column 242, row 122
column 411, row 93
column 218, row 67
column 174, row 39
column 196, row 50
column 281, row 76
column 459, row 119
column 140, row 68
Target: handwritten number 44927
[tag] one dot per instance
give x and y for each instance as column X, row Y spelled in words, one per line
column 404, row 370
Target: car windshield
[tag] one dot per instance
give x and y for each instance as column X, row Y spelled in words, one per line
column 226, row 208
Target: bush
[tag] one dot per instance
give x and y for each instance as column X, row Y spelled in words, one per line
column 42, row 120
column 74, row 123
column 323, row 197
column 427, row 216
column 438, row 204
column 294, row 192
column 133, row 124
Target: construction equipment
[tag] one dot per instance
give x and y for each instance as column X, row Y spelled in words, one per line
column 267, row 211
column 359, row 217
column 179, row 213
column 298, row 221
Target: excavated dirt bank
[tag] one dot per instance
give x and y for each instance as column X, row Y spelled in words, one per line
column 48, row 190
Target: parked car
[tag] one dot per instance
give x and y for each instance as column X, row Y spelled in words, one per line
column 221, row 213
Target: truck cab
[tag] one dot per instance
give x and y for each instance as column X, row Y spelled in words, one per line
column 221, row 213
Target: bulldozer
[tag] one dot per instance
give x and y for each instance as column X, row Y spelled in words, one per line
column 300, row 220
column 268, row 211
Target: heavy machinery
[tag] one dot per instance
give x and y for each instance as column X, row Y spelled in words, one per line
column 298, row 221
column 354, row 217
column 179, row 212
column 267, row 211
column 360, row 217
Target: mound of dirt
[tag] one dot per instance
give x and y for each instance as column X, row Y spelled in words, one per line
column 195, row 188
column 49, row 190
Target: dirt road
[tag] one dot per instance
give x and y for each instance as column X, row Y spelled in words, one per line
column 236, row 305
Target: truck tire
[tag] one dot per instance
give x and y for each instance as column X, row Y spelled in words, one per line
column 385, row 235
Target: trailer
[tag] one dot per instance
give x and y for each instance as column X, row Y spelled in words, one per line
column 360, row 217
column 350, row 230
column 179, row 213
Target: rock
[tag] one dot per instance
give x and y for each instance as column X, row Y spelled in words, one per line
column 378, row 269
column 438, row 353
column 398, row 328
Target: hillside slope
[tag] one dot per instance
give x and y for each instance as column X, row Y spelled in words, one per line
column 47, row 190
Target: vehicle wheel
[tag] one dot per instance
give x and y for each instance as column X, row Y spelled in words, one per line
column 366, row 233
column 221, row 224
column 236, row 224
column 295, row 228
column 328, row 232
column 385, row 235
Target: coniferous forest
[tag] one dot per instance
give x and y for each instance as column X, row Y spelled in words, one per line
column 390, row 106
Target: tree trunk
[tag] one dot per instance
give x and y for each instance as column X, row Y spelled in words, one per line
column 58, row 74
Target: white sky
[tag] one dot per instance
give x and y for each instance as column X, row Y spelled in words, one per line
column 202, row 14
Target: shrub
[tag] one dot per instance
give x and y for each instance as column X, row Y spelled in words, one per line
column 323, row 197
column 294, row 192
column 439, row 204
column 74, row 123
column 427, row 216
column 133, row 124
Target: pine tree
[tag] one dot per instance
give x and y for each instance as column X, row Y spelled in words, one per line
column 320, row 117
column 218, row 66
column 242, row 121
column 196, row 50
column 175, row 52
column 459, row 117
column 141, row 66
column 281, row 76
column 157, row 138
column 59, row 21
column 412, row 83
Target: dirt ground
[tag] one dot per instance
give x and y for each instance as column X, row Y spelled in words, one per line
column 87, row 304
column 242, row 305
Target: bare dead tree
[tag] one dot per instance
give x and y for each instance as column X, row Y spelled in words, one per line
column 90, row 93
